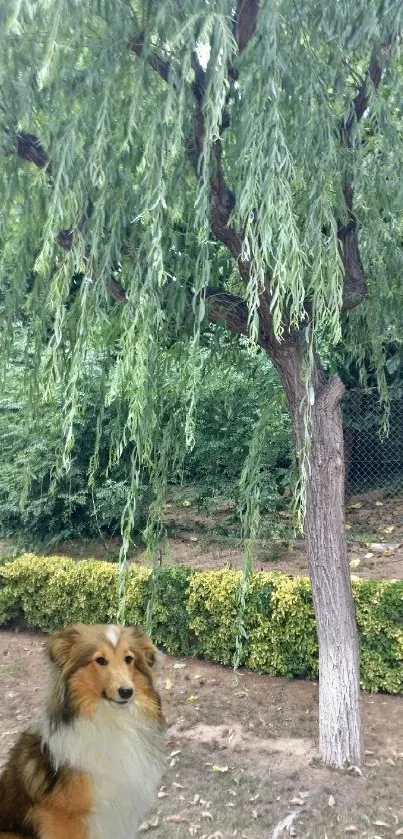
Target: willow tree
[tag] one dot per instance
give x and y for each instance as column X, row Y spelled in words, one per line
column 234, row 160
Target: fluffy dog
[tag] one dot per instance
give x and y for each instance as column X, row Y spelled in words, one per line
column 90, row 767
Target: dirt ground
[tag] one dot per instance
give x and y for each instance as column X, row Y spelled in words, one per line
column 242, row 752
column 206, row 540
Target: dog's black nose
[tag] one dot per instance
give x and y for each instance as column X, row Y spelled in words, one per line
column 125, row 693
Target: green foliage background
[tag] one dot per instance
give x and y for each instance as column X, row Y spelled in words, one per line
column 121, row 180
column 239, row 399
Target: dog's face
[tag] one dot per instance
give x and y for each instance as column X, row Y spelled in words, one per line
column 104, row 664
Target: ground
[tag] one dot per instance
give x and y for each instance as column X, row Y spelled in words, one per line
column 210, row 539
column 242, row 752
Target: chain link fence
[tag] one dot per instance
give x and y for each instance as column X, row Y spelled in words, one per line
column 374, row 459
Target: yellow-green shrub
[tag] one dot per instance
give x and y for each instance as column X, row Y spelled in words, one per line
column 48, row 592
column 379, row 609
column 196, row 612
column 45, row 593
column 278, row 618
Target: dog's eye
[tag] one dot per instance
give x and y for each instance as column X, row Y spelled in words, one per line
column 129, row 659
column 101, row 660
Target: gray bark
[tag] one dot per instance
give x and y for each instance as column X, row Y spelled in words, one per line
column 340, row 728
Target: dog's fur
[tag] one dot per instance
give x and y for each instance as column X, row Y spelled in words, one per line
column 90, row 767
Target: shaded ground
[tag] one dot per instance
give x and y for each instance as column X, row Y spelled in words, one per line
column 211, row 539
column 242, row 752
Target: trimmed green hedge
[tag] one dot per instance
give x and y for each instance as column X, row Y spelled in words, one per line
column 195, row 613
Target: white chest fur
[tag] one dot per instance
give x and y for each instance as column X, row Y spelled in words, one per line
column 122, row 752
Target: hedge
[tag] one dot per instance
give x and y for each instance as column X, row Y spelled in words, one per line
column 195, row 613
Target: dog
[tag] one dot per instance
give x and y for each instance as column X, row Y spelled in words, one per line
column 90, row 767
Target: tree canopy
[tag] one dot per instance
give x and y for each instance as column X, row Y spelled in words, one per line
column 159, row 141
column 170, row 163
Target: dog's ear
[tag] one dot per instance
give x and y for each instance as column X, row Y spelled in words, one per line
column 61, row 643
column 150, row 652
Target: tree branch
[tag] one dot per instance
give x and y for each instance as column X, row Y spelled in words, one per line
column 117, row 291
column 245, row 22
column 360, row 103
column 223, row 307
column 160, row 65
column 29, row 148
column 355, row 286
column 228, row 309
column 331, row 393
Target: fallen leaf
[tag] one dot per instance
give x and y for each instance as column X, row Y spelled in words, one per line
column 399, row 832
column 389, row 529
column 369, row 555
column 176, row 785
column 355, row 562
column 207, row 815
column 356, row 506
column 193, row 539
column 297, row 800
column 331, row 801
column 193, row 697
column 217, row 768
column 162, row 794
column 176, row 752
column 380, row 823
column 285, row 824
column 176, row 818
column 348, row 526
column 378, row 503
column 149, row 825
column 168, row 684
column 355, row 769
column 194, row 829
column 179, row 665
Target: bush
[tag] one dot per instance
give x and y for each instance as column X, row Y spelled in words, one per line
column 36, row 506
column 231, row 403
column 196, row 613
column 39, row 505
column 278, row 617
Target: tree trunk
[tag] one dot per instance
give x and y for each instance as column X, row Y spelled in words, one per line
column 340, row 731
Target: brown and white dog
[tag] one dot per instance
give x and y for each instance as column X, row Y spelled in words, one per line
column 90, row 767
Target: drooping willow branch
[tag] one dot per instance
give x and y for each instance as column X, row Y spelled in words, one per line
column 221, row 198
column 355, row 286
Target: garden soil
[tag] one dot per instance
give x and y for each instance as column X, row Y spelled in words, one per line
column 242, row 752
column 210, row 540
